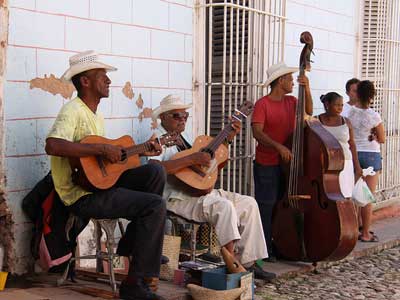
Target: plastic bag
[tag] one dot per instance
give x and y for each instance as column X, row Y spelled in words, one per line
column 362, row 195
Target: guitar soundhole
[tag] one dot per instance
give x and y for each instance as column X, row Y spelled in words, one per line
column 209, row 151
column 124, row 155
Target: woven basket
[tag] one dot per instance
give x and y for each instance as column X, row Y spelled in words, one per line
column 171, row 248
column 202, row 293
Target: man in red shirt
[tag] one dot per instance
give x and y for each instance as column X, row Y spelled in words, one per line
column 273, row 122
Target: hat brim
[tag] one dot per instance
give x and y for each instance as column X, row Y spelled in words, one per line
column 74, row 70
column 162, row 109
column 279, row 73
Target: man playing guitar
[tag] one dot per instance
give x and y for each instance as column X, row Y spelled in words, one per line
column 236, row 218
column 137, row 194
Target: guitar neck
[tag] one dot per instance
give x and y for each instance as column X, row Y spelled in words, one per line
column 220, row 138
column 138, row 149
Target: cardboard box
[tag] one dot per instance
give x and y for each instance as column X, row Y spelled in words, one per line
column 218, row 279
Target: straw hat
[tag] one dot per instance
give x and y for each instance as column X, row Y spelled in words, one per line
column 168, row 103
column 84, row 61
column 202, row 293
column 278, row 70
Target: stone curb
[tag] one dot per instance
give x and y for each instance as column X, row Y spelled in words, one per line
column 374, row 249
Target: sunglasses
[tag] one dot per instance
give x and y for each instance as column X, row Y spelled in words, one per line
column 179, row 115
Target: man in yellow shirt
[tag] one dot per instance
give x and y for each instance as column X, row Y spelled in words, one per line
column 137, row 194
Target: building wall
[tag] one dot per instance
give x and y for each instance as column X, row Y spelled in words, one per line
column 149, row 41
column 334, row 26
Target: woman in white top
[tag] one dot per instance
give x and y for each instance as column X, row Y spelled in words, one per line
column 341, row 129
column 369, row 133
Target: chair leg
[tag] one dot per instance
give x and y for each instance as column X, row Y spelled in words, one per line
column 98, row 233
column 210, row 237
column 111, row 265
column 193, row 242
column 121, row 227
column 61, row 280
column 109, row 228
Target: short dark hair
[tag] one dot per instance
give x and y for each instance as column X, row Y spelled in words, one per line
column 366, row 92
column 274, row 83
column 76, row 80
column 329, row 97
column 350, row 82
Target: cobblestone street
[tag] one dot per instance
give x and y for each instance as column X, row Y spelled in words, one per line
column 371, row 277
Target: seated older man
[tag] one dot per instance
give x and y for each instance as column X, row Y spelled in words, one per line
column 236, row 218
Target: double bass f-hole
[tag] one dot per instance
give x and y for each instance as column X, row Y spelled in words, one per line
column 316, row 189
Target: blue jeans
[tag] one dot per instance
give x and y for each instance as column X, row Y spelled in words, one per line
column 268, row 186
column 370, row 159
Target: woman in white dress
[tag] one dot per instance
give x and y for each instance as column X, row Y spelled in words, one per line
column 342, row 130
column 369, row 133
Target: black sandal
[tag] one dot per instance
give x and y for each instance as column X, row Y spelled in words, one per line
column 373, row 239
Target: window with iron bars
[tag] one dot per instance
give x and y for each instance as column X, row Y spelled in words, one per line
column 241, row 39
column 380, row 44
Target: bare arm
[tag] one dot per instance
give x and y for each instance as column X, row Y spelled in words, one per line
column 353, row 149
column 64, row 148
column 380, row 133
column 266, row 141
column 173, row 166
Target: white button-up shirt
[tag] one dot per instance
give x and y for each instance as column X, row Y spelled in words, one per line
column 168, row 152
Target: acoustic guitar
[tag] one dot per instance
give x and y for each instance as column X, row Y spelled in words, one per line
column 200, row 178
column 97, row 173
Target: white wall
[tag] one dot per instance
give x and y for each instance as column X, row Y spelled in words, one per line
column 334, row 26
column 150, row 41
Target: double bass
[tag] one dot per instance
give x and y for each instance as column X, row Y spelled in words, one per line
column 313, row 221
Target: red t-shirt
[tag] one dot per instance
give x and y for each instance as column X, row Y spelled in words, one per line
column 278, row 118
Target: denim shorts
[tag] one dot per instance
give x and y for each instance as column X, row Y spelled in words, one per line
column 370, row 159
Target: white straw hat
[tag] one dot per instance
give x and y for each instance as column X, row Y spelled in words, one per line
column 84, row 61
column 278, row 70
column 201, row 293
column 168, row 103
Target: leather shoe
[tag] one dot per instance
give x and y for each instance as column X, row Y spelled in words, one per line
column 164, row 260
column 139, row 291
column 270, row 259
column 259, row 273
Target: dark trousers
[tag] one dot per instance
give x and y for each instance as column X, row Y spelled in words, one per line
column 135, row 197
column 268, row 183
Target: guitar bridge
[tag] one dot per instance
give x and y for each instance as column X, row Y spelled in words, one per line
column 299, row 197
column 204, row 172
column 102, row 166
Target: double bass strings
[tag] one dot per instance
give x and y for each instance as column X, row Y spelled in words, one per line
column 297, row 144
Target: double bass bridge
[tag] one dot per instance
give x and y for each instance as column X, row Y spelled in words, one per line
column 299, row 197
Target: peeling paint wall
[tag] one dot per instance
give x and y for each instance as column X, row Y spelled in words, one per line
column 149, row 41
column 6, row 236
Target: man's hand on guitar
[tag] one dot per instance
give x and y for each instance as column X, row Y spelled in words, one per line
column 112, row 153
column 236, row 126
column 200, row 158
column 155, row 147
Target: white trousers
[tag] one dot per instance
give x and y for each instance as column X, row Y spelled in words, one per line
column 234, row 216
